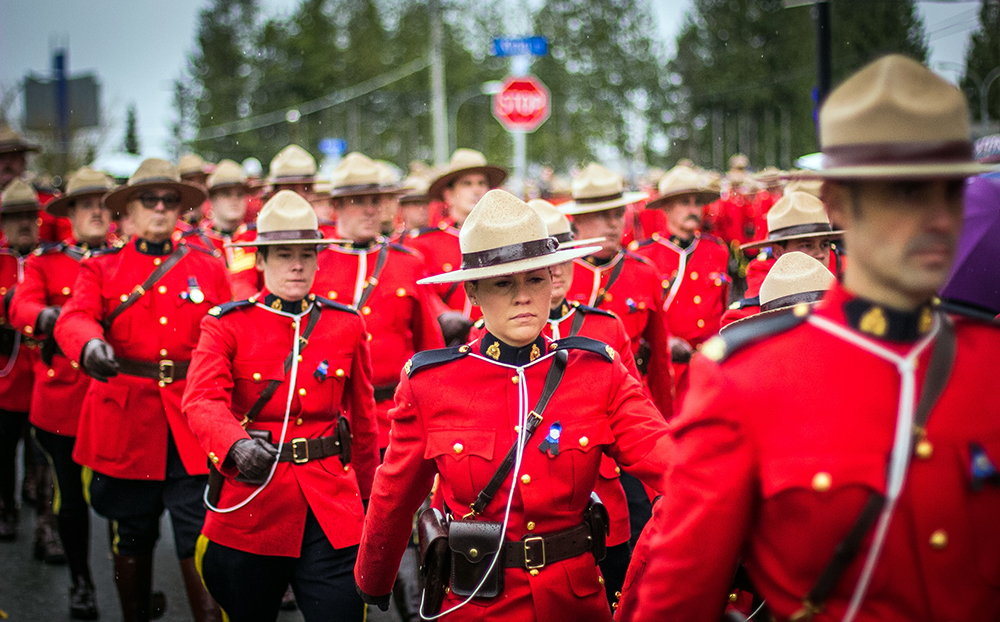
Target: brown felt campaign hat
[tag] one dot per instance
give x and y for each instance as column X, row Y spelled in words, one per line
column 292, row 165
column 796, row 216
column 502, row 236
column 596, row 189
column 227, row 174
column 465, row 162
column 11, row 141
column 18, row 197
column 895, row 119
column 359, row 175
column 155, row 172
column 286, row 219
column 192, row 165
column 84, row 182
column 415, row 190
column 558, row 225
column 680, row 181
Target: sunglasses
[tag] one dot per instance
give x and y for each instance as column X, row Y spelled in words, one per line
column 170, row 201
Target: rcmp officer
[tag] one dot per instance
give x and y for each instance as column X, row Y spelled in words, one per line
column 131, row 323
column 465, row 181
column 195, row 170
column 692, row 267
column 376, row 278
column 276, row 415
column 60, row 387
column 414, row 207
column 462, row 435
column 878, row 501
column 14, row 152
column 18, row 351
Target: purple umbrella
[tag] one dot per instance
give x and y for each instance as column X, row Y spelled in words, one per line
column 975, row 277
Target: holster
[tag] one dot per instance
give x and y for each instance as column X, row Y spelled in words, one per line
column 596, row 516
column 435, row 559
column 642, row 355
column 473, row 546
column 345, row 438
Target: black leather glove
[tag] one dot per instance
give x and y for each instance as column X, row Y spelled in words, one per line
column 455, row 327
column 47, row 320
column 254, row 458
column 382, row 602
column 98, row 360
column 680, row 350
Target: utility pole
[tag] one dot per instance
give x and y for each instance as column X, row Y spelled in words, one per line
column 59, row 70
column 823, row 53
column 439, row 112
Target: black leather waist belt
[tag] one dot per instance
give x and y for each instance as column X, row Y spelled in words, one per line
column 166, row 371
column 302, row 450
column 533, row 552
column 385, row 392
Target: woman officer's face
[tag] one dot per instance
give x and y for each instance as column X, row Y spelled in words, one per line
column 515, row 307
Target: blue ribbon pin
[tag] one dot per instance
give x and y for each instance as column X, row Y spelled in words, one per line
column 193, row 293
column 321, row 371
column 982, row 468
column 550, row 445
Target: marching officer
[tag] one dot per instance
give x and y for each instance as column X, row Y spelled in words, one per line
column 414, row 207
column 533, row 514
column 378, row 279
column 18, row 352
column 195, row 170
column 131, row 322
column 692, row 267
column 276, row 414
column 60, row 387
column 880, row 501
column 461, row 186
column 14, row 152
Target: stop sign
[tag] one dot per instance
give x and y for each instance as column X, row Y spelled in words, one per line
column 522, row 104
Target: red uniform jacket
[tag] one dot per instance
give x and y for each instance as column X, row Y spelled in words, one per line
column 243, row 346
column 244, row 278
column 776, row 461
column 463, row 435
column 636, row 296
column 49, row 276
column 442, row 253
column 125, row 422
column 19, row 352
column 398, row 313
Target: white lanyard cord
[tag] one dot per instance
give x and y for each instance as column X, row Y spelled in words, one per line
column 900, row 455
column 293, row 375
column 359, row 282
column 676, row 285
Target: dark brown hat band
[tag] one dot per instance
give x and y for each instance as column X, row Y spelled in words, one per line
column 957, row 151
column 812, row 227
column 294, row 234
column 87, row 190
column 609, row 197
column 509, row 253
column 792, row 299
column 562, row 238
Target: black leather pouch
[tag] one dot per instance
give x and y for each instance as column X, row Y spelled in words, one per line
column 596, row 516
column 473, row 546
column 345, row 439
column 435, row 558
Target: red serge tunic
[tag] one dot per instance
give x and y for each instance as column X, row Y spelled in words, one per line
column 398, row 312
column 463, row 434
column 20, row 351
column 775, row 462
column 49, row 276
column 243, row 346
column 124, row 423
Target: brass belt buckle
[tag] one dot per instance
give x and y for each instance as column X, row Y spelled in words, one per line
column 297, row 457
column 166, row 371
column 528, row 557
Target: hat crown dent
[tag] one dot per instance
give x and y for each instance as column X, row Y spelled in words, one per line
column 596, row 181
column 682, row 180
column 356, row 169
column 86, row 179
column 287, row 211
column 154, row 169
column 191, row 164
column 500, row 219
column 796, row 208
column 465, row 158
column 555, row 221
column 18, row 193
column 227, row 173
column 794, row 273
column 894, row 100
column 292, row 161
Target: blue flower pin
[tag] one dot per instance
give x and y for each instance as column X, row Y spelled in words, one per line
column 321, row 371
column 550, row 445
column 981, row 467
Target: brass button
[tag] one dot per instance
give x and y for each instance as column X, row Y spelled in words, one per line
column 600, row 580
column 473, row 553
column 51, row 373
column 514, row 379
column 458, row 447
column 400, row 292
column 157, row 261
column 213, row 457
column 302, row 392
column 74, row 365
column 65, row 291
column 447, row 267
column 694, row 276
column 618, row 470
column 163, row 351
column 300, row 358
column 733, row 597
column 347, row 468
column 163, row 320
column 28, row 330
column 531, row 525
column 822, row 481
column 697, row 300
column 123, row 297
column 256, row 376
column 298, row 421
column 533, row 572
column 162, row 384
column 339, row 373
column 366, row 310
column 939, row 539
column 162, row 289
column 525, row 479
column 607, row 297
column 332, row 295
column 701, row 323
column 925, row 449
column 584, row 441
column 517, row 429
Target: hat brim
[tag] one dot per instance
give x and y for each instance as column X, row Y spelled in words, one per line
column 321, row 242
column 19, row 208
column 750, row 319
column 495, row 176
column 288, row 181
column 388, row 190
column 513, row 267
column 898, row 171
column 191, row 194
column 576, row 243
column 572, row 208
column 20, row 147
column 60, row 206
column 703, row 197
column 802, row 236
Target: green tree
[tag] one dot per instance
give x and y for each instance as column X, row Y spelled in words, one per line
column 131, row 144
column 982, row 62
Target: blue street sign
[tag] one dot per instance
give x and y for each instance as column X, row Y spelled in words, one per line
column 520, row 46
column 333, row 146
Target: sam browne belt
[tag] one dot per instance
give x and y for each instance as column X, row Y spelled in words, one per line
column 166, row 371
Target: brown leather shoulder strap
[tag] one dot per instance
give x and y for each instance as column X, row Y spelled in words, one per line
column 615, row 273
column 151, row 280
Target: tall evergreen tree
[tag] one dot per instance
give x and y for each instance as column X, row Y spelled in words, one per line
column 982, row 62
column 131, row 144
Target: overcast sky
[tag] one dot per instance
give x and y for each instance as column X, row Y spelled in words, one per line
column 137, row 48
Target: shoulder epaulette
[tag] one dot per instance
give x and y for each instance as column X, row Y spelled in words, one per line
column 107, row 250
column 746, row 302
column 586, row 310
column 399, row 247
column 967, row 311
column 708, row 237
column 639, row 258
column 585, row 343
column 326, row 302
column 752, row 330
column 220, row 310
column 250, row 226
column 190, row 232
column 416, row 233
column 434, row 357
column 198, row 247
